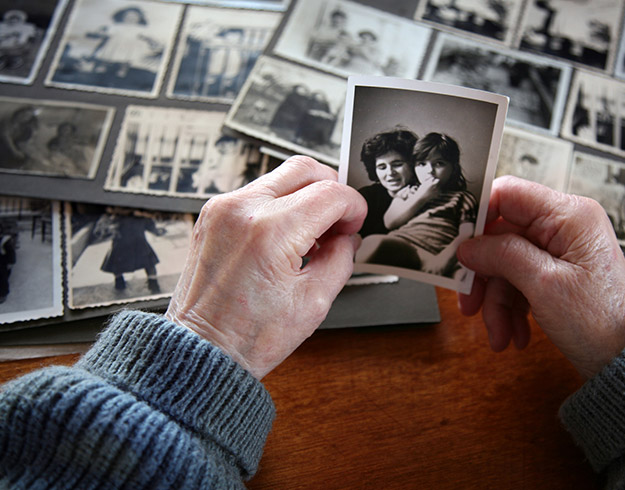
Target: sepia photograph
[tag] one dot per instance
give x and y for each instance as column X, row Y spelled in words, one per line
column 116, row 47
column 492, row 20
column 217, row 50
column 30, row 260
column 425, row 173
column 291, row 107
column 26, row 28
column 44, row 137
column 347, row 38
column 177, row 152
column 118, row 255
column 539, row 158
column 581, row 31
column 537, row 86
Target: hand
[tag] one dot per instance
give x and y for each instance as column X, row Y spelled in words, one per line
column 243, row 286
column 556, row 255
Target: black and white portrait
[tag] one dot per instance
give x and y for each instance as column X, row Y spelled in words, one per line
column 179, row 153
column 539, row 158
column 348, row 38
column 537, row 86
column 494, row 20
column 291, row 107
column 52, row 138
column 217, row 51
column 120, row 255
column 116, row 47
column 581, row 31
column 30, row 260
column 424, row 172
column 26, row 28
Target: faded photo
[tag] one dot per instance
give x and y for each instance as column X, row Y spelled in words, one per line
column 291, row 107
column 581, row 31
column 349, row 38
column 116, row 47
column 26, row 27
column 217, row 51
column 120, row 255
column 179, row 153
column 534, row 157
column 537, row 87
column 52, row 138
column 30, row 260
column 494, row 20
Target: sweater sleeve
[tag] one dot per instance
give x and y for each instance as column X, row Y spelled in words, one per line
column 151, row 405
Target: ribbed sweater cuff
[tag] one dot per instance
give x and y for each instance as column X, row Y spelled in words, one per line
column 187, row 378
column 595, row 415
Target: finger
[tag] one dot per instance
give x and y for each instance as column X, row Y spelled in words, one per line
column 470, row 304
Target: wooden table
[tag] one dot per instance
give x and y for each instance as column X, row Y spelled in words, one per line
column 428, row 407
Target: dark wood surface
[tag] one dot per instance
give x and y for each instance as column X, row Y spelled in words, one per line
column 420, row 406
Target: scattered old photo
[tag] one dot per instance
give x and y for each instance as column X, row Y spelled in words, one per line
column 31, row 279
column 177, row 152
column 539, row 158
column 291, row 107
column 425, row 173
column 581, row 31
column 26, row 28
column 116, row 46
column 537, row 86
column 119, row 255
column 492, row 20
column 217, row 51
column 346, row 38
column 603, row 180
column 44, row 137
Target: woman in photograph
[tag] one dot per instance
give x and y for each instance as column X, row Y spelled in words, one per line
column 430, row 219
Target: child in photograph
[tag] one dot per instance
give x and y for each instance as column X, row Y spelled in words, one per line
column 17, row 38
column 427, row 221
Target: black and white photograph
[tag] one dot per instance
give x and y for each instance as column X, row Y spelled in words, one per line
column 535, row 157
column 291, row 107
column 595, row 115
column 277, row 5
column 603, row 180
column 491, row 20
column 116, row 47
column 26, row 28
column 30, row 260
column 581, row 31
column 425, row 173
column 537, row 86
column 119, row 255
column 217, row 50
column 347, row 38
column 177, row 152
column 51, row 138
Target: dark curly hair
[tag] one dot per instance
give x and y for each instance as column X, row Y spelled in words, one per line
column 449, row 150
column 400, row 140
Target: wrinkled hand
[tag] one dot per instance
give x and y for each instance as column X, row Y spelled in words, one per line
column 243, row 286
column 553, row 254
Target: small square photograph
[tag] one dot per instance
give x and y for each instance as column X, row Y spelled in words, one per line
column 539, row 158
column 30, row 260
column 119, row 255
column 26, row 28
column 116, row 47
column 492, row 20
column 291, row 107
column 346, row 38
column 584, row 32
column 425, row 173
column 217, row 50
column 537, row 86
column 182, row 153
column 44, row 137
column 603, row 180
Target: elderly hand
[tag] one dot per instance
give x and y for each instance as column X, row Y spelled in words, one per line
column 556, row 255
column 243, row 287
